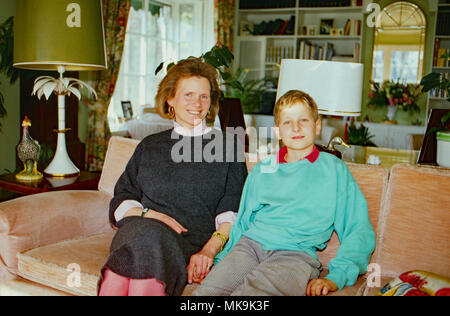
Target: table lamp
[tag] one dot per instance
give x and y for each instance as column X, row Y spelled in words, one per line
column 335, row 86
column 59, row 35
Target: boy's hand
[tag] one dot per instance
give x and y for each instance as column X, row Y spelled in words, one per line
column 317, row 287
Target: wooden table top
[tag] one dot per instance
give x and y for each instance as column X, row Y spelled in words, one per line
column 85, row 181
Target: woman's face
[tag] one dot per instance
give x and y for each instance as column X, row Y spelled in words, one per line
column 191, row 101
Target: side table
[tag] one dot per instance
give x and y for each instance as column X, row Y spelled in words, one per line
column 85, row 181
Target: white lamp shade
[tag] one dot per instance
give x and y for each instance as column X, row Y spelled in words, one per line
column 335, row 86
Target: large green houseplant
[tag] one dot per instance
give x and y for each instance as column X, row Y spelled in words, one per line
column 436, row 80
column 6, row 59
column 235, row 83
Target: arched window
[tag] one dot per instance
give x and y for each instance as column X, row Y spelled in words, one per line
column 399, row 43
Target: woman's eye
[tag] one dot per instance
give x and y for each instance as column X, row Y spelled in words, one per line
column 286, row 123
column 205, row 97
column 189, row 95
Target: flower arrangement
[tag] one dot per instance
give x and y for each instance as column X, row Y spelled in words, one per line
column 391, row 93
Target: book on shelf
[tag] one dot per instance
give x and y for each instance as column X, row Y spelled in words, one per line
column 435, row 51
column 440, row 57
column 275, row 27
column 439, row 92
column 352, row 27
column 324, row 3
column 266, row 4
column 356, row 53
column 308, row 50
column 443, row 21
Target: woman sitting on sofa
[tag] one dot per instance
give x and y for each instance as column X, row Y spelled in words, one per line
column 174, row 215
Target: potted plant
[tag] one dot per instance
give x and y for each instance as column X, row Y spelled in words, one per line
column 395, row 95
column 6, row 59
column 358, row 138
column 436, row 80
column 236, row 85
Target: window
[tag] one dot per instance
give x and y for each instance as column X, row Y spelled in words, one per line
column 404, row 66
column 158, row 31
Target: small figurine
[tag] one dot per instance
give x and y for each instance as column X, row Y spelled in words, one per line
column 28, row 152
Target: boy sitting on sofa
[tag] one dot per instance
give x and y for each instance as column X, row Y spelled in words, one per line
column 288, row 213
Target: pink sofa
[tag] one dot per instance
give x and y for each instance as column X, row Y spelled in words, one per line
column 55, row 243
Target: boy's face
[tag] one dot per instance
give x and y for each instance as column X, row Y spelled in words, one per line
column 297, row 127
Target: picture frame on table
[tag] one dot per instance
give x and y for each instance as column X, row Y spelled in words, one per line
column 127, row 110
column 325, row 26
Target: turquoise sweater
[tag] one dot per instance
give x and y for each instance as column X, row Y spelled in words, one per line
column 296, row 206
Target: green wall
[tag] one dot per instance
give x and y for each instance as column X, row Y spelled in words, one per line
column 366, row 58
column 10, row 136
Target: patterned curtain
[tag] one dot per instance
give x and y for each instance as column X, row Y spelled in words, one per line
column 115, row 17
column 224, row 15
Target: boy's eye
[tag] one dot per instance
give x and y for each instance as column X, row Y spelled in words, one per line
column 189, row 94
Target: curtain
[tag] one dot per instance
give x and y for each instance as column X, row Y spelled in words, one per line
column 224, row 15
column 115, row 18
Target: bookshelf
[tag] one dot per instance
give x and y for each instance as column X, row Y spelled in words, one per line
column 292, row 29
column 438, row 98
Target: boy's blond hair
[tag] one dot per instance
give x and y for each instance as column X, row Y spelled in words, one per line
column 292, row 97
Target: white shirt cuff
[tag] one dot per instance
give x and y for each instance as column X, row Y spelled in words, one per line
column 124, row 207
column 225, row 217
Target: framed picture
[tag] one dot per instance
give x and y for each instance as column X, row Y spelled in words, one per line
column 127, row 110
column 246, row 28
column 325, row 26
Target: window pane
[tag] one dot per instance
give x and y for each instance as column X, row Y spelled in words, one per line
column 404, row 66
column 378, row 66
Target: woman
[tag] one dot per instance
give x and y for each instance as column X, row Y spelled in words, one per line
column 190, row 201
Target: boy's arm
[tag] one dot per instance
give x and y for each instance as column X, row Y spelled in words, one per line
column 355, row 232
column 243, row 216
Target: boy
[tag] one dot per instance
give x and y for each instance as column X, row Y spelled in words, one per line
column 287, row 215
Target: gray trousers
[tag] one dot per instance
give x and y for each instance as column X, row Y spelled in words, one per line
column 248, row 270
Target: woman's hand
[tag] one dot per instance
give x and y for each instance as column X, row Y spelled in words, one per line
column 199, row 265
column 166, row 219
column 317, row 287
column 135, row 211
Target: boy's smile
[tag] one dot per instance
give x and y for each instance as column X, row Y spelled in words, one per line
column 298, row 130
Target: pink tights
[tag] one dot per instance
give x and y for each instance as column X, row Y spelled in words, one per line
column 117, row 285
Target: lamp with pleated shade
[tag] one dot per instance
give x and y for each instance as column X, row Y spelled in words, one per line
column 59, row 35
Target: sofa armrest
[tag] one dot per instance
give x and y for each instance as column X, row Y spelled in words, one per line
column 41, row 219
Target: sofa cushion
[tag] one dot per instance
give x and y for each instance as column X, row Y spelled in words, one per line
column 57, row 265
column 36, row 220
column 416, row 221
column 372, row 181
column 119, row 152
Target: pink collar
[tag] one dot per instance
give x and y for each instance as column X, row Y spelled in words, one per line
column 312, row 157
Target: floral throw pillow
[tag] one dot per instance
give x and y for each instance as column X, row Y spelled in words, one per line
column 417, row 283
